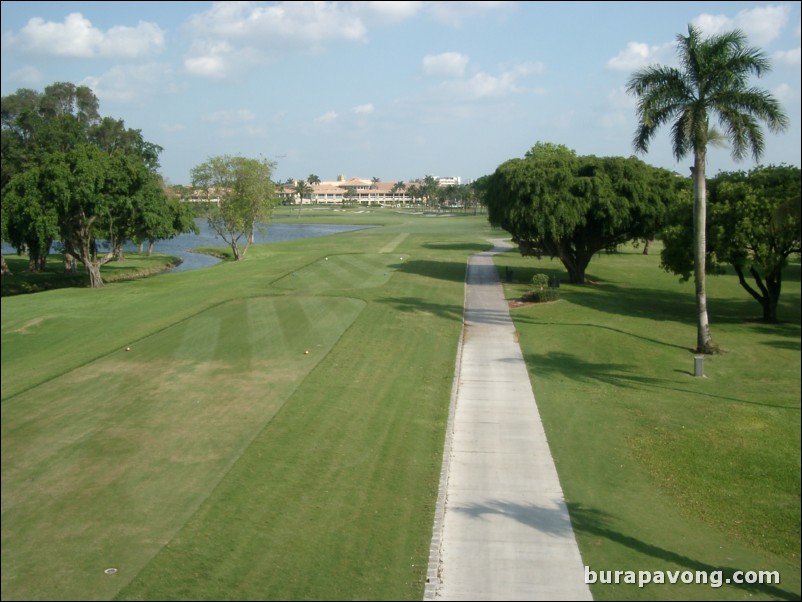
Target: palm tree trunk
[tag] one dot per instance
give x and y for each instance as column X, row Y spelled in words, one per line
column 704, row 341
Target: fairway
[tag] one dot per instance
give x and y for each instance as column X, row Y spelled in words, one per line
column 245, row 431
column 126, row 448
column 273, row 428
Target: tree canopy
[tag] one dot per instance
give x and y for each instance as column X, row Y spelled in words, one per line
column 753, row 226
column 72, row 176
column 241, row 197
column 570, row 207
column 711, row 82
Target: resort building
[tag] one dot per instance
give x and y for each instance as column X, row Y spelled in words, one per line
column 357, row 191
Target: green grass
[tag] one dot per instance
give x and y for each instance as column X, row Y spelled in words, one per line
column 175, row 428
column 216, row 459
column 20, row 281
column 662, row 470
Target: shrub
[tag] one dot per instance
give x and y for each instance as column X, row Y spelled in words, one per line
column 541, row 292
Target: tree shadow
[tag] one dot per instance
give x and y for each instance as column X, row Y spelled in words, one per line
column 416, row 304
column 471, row 247
column 592, row 521
column 552, row 521
column 531, row 320
column 487, row 317
column 620, row 375
column 442, row 270
column 655, row 304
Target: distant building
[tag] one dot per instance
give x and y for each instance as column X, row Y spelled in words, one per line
column 356, row 191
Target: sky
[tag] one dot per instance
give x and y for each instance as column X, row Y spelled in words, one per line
column 388, row 90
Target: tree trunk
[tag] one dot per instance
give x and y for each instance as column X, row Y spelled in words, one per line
column 768, row 293
column 70, row 264
column 574, row 265
column 151, row 243
column 4, row 269
column 704, row 341
column 647, row 246
column 774, row 286
column 95, row 280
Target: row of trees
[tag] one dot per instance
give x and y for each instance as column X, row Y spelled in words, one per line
column 84, row 181
column 556, row 203
column 569, row 207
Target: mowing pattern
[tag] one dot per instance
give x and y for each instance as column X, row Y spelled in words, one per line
column 101, row 466
column 343, row 272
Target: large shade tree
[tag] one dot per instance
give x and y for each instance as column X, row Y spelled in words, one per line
column 569, row 207
column 753, row 226
column 712, row 81
column 69, row 175
column 34, row 125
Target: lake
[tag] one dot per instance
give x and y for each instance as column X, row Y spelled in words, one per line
column 180, row 245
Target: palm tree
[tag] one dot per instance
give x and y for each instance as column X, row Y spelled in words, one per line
column 711, row 81
column 302, row 189
column 313, row 180
column 374, row 183
column 398, row 187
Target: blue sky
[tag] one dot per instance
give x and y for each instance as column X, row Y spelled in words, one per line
column 393, row 90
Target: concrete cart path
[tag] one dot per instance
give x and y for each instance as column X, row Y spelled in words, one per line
column 502, row 530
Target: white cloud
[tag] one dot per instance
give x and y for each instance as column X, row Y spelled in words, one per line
column 229, row 117
column 366, row 108
column 212, row 60
column 27, row 76
column 232, row 35
column 447, row 64
column 131, row 84
column 173, row 127
column 762, row 25
column 77, row 38
column 785, row 93
column 236, row 34
column 327, row 117
column 638, row 55
column 455, row 12
column 387, row 11
column 484, row 85
column 790, row 58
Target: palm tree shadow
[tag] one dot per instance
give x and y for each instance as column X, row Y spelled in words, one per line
column 592, row 521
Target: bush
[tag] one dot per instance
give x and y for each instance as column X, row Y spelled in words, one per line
column 541, row 292
column 547, row 294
